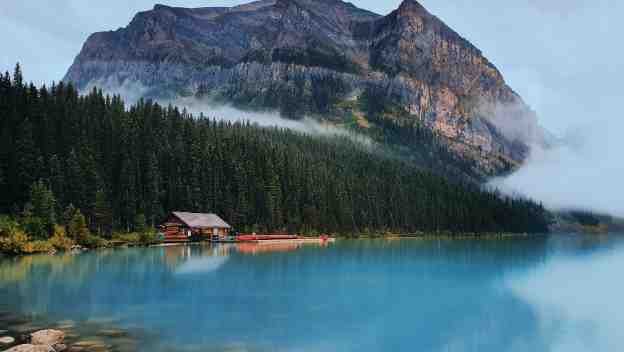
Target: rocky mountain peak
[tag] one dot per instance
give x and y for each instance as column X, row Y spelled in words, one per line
column 160, row 7
column 411, row 7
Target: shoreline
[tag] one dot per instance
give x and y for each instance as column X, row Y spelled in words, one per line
column 20, row 332
column 117, row 244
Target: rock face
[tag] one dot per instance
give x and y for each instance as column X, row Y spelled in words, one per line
column 312, row 56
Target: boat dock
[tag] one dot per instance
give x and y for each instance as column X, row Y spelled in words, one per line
column 307, row 240
column 282, row 239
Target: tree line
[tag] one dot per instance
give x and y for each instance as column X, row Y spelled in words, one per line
column 124, row 168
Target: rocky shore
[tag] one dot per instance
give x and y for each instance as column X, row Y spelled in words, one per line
column 21, row 334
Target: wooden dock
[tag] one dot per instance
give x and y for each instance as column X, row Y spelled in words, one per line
column 259, row 239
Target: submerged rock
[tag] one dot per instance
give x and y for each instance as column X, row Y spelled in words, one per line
column 76, row 249
column 91, row 345
column 31, row 348
column 47, row 337
column 125, row 344
column 114, row 333
column 65, row 325
column 6, row 340
column 25, row 328
column 60, row 347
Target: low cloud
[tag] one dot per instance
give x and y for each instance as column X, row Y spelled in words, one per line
column 583, row 171
column 131, row 92
column 515, row 121
column 267, row 118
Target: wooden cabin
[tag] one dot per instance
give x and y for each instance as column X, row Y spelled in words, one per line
column 182, row 226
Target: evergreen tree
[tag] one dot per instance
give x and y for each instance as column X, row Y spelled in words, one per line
column 127, row 201
column 57, row 180
column 153, row 191
column 43, row 204
column 68, row 215
column 273, row 198
column 18, row 79
column 89, row 182
column 73, row 178
column 25, row 159
column 102, row 214
column 33, row 225
column 77, row 227
column 139, row 223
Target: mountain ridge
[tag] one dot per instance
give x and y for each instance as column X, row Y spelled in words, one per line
column 318, row 57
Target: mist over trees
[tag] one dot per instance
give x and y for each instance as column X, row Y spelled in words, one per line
column 124, row 169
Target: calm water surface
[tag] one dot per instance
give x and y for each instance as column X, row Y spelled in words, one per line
column 558, row 293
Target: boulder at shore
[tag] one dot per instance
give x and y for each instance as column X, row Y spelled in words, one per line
column 47, row 337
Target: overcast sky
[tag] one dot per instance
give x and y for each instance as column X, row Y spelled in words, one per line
column 562, row 56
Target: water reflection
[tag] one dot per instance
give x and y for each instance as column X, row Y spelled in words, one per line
column 255, row 248
column 203, row 257
column 577, row 299
column 200, row 259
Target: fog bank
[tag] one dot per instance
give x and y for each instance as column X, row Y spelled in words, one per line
column 132, row 91
column 266, row 118
column 584, row 170
column 577, row 302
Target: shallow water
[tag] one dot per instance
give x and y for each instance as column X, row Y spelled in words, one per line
column 520, row 294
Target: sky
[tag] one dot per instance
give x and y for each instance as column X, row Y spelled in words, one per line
column 564, row 57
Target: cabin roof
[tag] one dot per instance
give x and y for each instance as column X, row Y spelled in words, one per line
column 200, row 220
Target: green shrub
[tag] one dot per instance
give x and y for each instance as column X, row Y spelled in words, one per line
column 14, row 242
column 132, row 237
column 92, row 241
column 37, row 247
column 7, row 226
column 59, row 239
column 35, row 227
column 148, row 236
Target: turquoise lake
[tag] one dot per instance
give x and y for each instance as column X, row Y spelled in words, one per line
column 552, row 293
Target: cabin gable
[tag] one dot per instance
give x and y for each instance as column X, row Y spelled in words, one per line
column 181, row 226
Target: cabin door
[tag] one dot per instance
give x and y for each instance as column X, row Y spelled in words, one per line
column 215, row 233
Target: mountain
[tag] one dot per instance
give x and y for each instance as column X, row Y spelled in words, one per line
column 327, row 59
